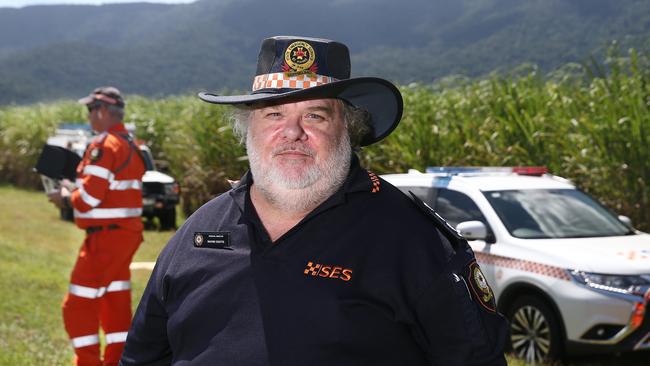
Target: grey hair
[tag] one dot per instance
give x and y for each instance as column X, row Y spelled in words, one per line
column 239, row 118
column 357, row 122
column 115, row 111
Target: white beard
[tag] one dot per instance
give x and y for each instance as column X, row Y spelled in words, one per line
column 300, row 190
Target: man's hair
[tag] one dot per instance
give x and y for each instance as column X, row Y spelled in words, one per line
column 115, row 111
column 357, row 122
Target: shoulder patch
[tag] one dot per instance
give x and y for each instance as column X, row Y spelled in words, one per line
column 480, row 290
column 95, row 153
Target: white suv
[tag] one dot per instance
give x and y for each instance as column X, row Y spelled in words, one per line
column 569, row 275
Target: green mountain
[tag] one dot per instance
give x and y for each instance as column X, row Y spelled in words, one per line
column 52, row 52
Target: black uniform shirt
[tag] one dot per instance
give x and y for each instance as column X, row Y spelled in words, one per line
column 365, row 279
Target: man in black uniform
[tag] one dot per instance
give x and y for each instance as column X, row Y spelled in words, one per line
column 310, row 259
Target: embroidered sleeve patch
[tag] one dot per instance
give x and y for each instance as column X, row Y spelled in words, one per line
column 95, row 154
column 480, row 289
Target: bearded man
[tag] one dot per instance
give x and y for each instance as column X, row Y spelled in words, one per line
column 311, row 259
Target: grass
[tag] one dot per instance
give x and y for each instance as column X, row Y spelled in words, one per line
column 37, row 251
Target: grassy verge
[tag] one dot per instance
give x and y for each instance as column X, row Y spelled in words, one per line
column 37, row 251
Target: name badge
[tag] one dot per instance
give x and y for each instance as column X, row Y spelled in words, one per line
column 212, row 239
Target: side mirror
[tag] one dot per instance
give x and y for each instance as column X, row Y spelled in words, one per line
column 472, row 230
column 625, row 220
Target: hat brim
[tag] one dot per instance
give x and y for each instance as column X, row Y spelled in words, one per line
column 86, row 100
column 378, row 96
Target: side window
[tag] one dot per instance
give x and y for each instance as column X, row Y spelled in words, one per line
column 426, row 194
column 456, row 207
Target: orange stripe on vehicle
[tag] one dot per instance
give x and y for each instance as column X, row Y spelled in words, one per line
column 522, row 265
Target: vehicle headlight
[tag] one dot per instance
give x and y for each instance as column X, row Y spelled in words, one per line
column 623, row 284
column 172, row 188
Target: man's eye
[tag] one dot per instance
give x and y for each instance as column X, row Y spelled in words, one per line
column 273, row 114
column 314, row 116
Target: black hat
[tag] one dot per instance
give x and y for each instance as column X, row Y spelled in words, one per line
column 301, row 67
column 106, row 94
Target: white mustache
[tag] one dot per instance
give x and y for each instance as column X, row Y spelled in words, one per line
column 292, row 148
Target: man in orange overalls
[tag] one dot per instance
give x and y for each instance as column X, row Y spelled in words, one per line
column 107, row 203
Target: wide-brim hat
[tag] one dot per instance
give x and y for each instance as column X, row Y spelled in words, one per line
column 291, row 67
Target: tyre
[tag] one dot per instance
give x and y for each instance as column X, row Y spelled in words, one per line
column 167, row 218
column 535, row 334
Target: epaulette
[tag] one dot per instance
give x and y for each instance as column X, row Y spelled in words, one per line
column 447, row 230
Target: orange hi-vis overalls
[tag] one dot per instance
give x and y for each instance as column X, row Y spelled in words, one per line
column 108, row 205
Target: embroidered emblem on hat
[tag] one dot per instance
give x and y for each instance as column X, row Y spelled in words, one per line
column 300, row 57
column 480, row 287
column 95, row 154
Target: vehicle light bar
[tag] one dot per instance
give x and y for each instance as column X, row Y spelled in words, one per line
column 521, row 170
column 530, row 170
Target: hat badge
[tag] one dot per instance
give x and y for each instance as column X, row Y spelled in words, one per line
column 300, row 57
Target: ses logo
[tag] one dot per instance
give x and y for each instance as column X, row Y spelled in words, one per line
column 321, row 270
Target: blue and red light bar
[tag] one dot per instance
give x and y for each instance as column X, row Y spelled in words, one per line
column 521, row 170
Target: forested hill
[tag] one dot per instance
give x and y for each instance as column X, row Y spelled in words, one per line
column 53, row 52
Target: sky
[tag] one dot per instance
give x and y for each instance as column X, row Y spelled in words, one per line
column 21, row 3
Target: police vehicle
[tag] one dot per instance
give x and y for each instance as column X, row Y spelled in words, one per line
column 570, row 276
column 160, row 193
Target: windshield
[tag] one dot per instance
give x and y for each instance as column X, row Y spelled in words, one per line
column 553, row 213
column 148, row 160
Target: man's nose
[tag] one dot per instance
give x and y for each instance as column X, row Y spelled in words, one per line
column 293, row 128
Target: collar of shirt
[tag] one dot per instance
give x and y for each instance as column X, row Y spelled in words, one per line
column 118, row 128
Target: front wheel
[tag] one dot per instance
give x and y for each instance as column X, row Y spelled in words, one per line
column 534, row 330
